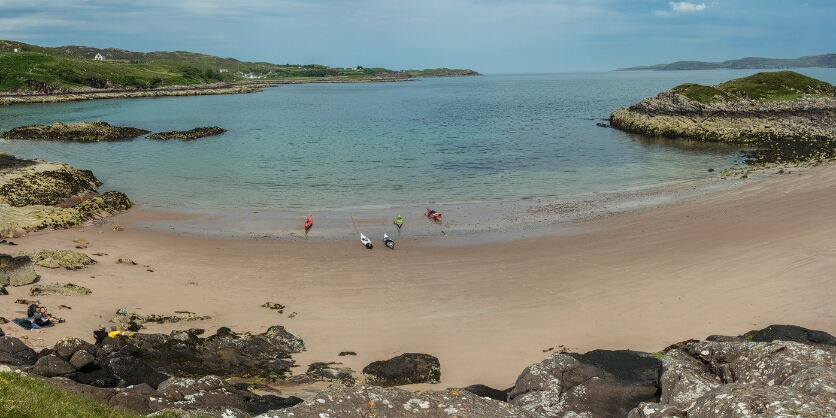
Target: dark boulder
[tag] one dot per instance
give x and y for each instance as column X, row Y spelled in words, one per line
column 98, row 394
column 489, row 392
column 53, row 366
column 789, row 333
column 133, row 371
column 404, row 369
column 15, row 353
column 600, row 383
column 68, row 346
column 329, row 372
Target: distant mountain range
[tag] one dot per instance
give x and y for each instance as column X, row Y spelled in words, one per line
column 755, row 63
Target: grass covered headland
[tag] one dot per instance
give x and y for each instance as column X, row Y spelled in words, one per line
column 783, row 117
column 31, row 68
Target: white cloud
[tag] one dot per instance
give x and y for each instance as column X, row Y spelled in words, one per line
column 684, row 6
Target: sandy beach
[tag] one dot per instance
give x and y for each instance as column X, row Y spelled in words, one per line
column 733, row 260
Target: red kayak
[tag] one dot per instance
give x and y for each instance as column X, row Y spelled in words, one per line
column 433, row 215
column 309, row 223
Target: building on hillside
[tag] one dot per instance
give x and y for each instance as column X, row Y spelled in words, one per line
column 17, row 49
column 99, row 57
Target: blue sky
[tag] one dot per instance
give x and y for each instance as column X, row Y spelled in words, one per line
column 490, row 36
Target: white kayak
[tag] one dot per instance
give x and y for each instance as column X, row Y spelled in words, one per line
column 367, row 242
column 388, row 241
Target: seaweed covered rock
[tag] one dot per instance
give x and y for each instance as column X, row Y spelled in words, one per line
column 190, row 134
column 404, row 369
column 16, row 270
column 80, row 132
column 35, row 195
column 64, row 289
column 45, row 184
column 105, row 205
column 68, row 259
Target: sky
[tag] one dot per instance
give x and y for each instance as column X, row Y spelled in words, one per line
column 489, row 36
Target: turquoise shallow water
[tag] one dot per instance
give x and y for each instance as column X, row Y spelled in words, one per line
column 375, row 145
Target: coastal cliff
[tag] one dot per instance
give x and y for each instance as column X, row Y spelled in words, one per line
column 795, row 120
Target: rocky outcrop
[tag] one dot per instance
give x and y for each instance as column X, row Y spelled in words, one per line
column 79, row 132
column 69, row 95
column 190, row 134
column 68, row 259
column 736, row 377
column 790, row 131
column 600, row 383
column 36, row 195
column 184, row 353
column 339, row 400
column 404, row 369
column 64, row 289
column 16, row 271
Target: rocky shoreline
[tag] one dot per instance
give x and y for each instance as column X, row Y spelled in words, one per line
column 70, row 95
column 781, row 370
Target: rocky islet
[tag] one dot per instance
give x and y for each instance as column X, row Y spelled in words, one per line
column 798, row 129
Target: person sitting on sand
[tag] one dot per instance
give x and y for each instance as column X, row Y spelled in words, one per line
column 30, row 311
column 49, row 316
column 40, row 321
column 100, row 334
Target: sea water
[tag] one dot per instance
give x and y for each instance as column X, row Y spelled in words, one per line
column 375, row 145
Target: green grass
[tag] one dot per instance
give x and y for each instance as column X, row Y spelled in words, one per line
column 764, row 87
column 26, row 397
column 23, row 396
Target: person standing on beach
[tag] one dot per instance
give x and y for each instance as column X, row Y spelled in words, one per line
column 100, row 334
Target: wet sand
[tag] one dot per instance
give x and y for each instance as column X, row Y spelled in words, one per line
column 726, row 260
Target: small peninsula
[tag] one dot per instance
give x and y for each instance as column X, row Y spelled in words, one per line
column 784, row 116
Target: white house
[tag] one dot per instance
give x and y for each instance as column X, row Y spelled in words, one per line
column 17, row 49
column 99, row 57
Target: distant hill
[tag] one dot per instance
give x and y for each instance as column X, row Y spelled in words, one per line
column 754, row 63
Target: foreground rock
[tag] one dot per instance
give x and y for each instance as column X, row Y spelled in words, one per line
column 740, row 378
column 68, row 259
column 405, row 369
column 600, row 383
column 16, row 271
column 339, row 400
column 190, row 134
column 36, row 195
column 79, row 132
column 796, row 130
